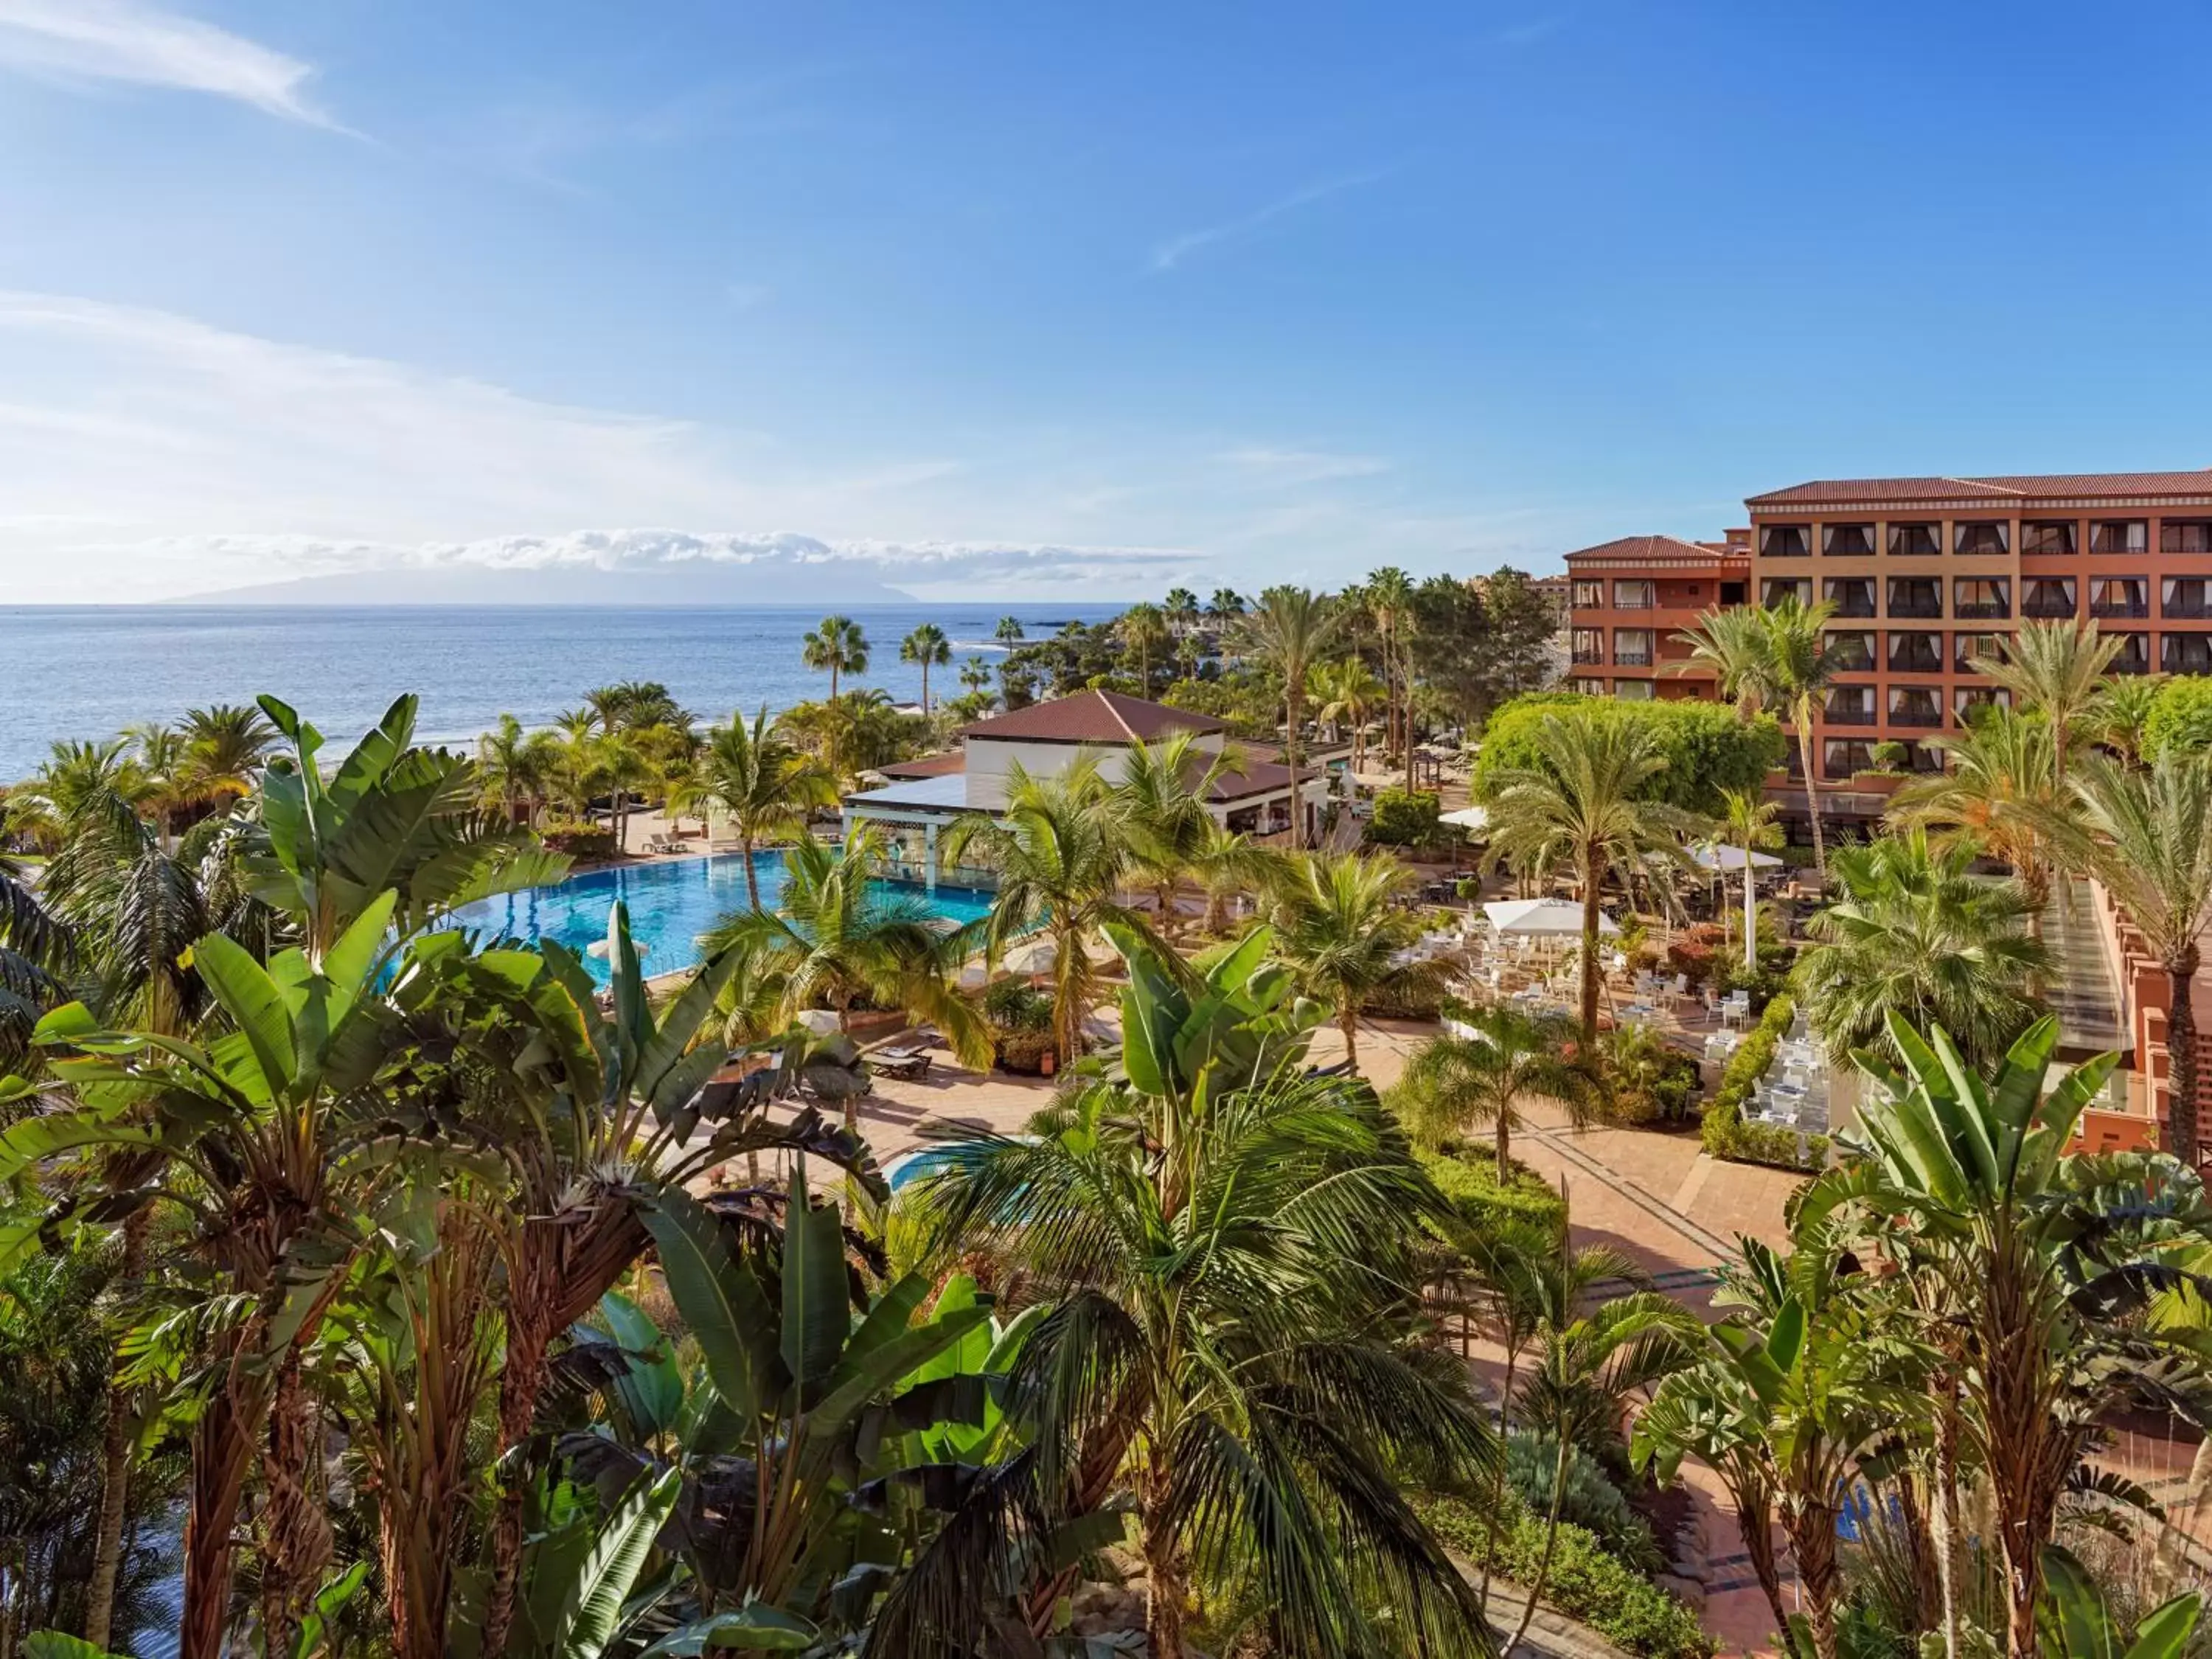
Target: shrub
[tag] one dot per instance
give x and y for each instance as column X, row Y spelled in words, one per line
column 1468, row 1177
column 577, row 839
column 1586, row 1583
column 1725, row 1132
column 2181, row 718
column 1889, row 756
column 1649, row 1081
column 1708, row 751
column 1020, row 1018
column 1694, row 951
column 1404, row 817
column 1591, row 1501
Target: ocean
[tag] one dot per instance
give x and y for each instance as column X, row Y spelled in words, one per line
column 89, row 670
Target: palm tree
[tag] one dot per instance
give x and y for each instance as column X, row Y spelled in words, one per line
column 838, row 644
column 511, row 760
column 975, row 675
column 762, row 784
column 1162, row 796
column 1228, row 1301
column 1343, row 934
column 1794, row 668
column 1387, row 597
column 1999, row 788
column 1349, row 692
column 1144, row 630
column 1581, row 810
column 928, row 647
column 1228, row 864
column 2146, row 836
column 165, row 765
column 1180, row 610
column 1748, row 820
column 1730, row 645
column 228, row 743
column 621, row 761
column 1289, row 628
column 1591, row 1353
column 2120, row 712
column 1225, row 607
column 1911, row 932
column 835, row 939
column 2056, row 667
column 1008, row 633
column 1063, row 849
column 1455, row 1081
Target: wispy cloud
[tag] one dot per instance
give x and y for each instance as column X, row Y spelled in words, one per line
column 142, row 44
column 1301, row 466
column 1172, row 252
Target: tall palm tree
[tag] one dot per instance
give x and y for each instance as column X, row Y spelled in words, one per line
column 1162, row 795
column 1387, row 597
column 228, row 743
column 1998, row 791
column 510, row 758
column 1341, row 930
column 1511, row 1057
column 1143, row 632
column 835, row 939
column 1912, row 932
column 2056, row 667
column 1581, row 810
column 1008, row 633
column 1063, row 849
column 975, row 675
column 1180, row 610
column 927, row 647
column 621, row 761
column 1228, row 1293
column 839, row 645
column 165, row 763
column 2146, row 836
column 1747, row 823
column 1289, row 628
column 1349, row 692
column 1730, row 645
column 1794, row 669
column 762, row 784
column 2120, row 712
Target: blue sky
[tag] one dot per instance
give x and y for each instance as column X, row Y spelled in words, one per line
column 997, row 298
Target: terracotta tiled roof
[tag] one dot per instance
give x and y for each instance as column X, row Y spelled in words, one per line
column 2010, row 486
column 1254, row 777
column 1093, row 717
column 929, row 766
column 1644, row 547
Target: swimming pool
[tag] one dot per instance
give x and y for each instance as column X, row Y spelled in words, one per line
column 671, row 904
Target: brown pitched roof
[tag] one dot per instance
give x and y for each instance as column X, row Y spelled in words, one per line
column 929, row 766
column 1093, row 717
column 1643, row 547
column 2010, row 486
column 1254, row 777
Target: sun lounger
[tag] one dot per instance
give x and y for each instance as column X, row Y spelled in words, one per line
column 908, row 1065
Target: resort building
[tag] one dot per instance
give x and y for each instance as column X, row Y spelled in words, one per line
column 1629, row 599
column 918, row 798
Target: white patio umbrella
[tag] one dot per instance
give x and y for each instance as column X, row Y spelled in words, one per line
column 597, row 948
column 1035, row 956
column 1718, row 856
column 1473, row 819
column 820, row 1021
column 1544, row 918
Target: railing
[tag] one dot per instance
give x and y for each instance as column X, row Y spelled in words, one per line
column 1857, row 713
column 2187, row 610
column 1916, row 717
column 1588, row 655
column 1633, row 659
column 2048, row 609
column 1917, row 609
column 1916, row 662
column 1855, row 607
column 2122, row 609
column 2179, row 658
column 1982, row 611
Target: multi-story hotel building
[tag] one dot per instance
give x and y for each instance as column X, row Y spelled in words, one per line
column 1925, row 575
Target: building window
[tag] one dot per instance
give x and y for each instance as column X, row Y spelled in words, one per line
column 1632, row 595
column 1967, row 649
column 1735, row 593
column 1847, row 541
column 1842, row 756
column 1981, row 599
column 2135, row 653
column 1916, row 654
column 1852, row 596
column 1980, row 538
column 1916, row 541
column 2046, row 538
column 2185, row 597
column 1916, row 596
column 2185, row 538
column 1849, row 705
column 1632, row 647
column 1971, row 700
column 1589, row 688
column 2120, row 596
column 1588, row 645
column 1782, row 590
column 1922, row 756
column 1915, row 705
column 1634, row 691
column 2119, row 535
column 1783, row 541
column 2185, row 653
column 2047, row 596
column 1590, row 595
column 1851, row 652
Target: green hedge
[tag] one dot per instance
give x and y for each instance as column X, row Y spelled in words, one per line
column 1707, row 749
column 1726, row 1134
column 1467, row 1176
column 1404, row 817
column 1585, row 1583
column 578, row 840
column 2180, row 717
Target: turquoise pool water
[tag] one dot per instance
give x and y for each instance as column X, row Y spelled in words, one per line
column 671, row 904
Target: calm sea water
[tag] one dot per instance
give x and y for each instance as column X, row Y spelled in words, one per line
column 87, row 671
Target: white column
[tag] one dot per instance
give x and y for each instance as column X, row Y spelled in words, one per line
column 929, row 856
